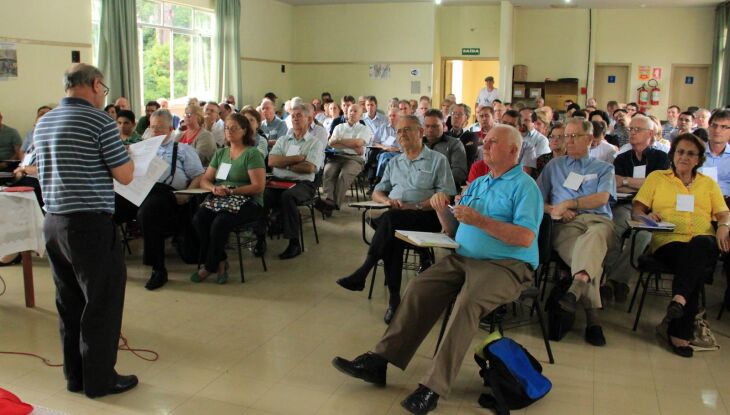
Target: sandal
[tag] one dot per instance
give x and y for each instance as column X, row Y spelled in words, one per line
column 196, row 277
column 223, row 278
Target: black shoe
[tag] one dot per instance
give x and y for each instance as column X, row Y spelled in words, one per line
column 352, row 283
column 621, row 292
column 389, row 313
column 74, row 386
column 121, row 384
column 421, row 402
column 684, row 351
column 568, row 303
column 594, row 336
column 260, row 249
column 369, row 367
column 157, row 280
column 606, row 291
column 325, row 207
column 291, row 251
column 425, row 263
column 674, row 310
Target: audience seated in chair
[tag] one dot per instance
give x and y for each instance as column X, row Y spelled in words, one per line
column 271, row 125
column 577, row 191
column 496, row 225
column 459, row 115
column 213, row 123
column 690, row 200
column 386, row 141
column 297, row 158
column 195, row 135
column 236, row 177
column 408, row 183
column 125, row 124
column 10, row 143
column 159, row 212
column 144, row 122
column 254, row 118
column 631, row 169
column 451, row 147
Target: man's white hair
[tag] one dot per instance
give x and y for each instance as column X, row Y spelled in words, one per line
column 512, row 134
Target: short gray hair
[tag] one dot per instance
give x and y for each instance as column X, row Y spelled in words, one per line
column 303, row 108
column 412, row 118
column 81, row 74
column 465, row 107
column 585, row 126
column 164, row 115
column 512, row 133
column 648, row 122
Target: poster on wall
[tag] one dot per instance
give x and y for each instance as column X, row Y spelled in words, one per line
column 644, row 72
column 380, row 71
column 656, row 73
column 8, row 60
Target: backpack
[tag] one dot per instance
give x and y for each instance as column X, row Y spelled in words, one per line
column 559, row 322
column 513, row 375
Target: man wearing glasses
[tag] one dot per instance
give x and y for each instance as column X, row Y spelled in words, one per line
column 78, row 152
column 577, row 191
column 717, row 165
column 631, row 168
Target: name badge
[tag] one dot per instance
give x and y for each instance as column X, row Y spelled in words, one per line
column 293, row 150
column 685, row 203
column 573, row 181
column 639, row 172
column 389, row 141
column 710, row 172
column 223, row 170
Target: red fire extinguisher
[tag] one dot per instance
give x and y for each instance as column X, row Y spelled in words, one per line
column 643, row 99
column 656, row 93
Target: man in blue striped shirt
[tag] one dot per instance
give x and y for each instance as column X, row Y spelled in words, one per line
column 78, row 152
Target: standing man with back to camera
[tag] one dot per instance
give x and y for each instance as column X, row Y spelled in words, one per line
column 78, row 152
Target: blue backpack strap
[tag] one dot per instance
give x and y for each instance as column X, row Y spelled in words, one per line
column 515, row 359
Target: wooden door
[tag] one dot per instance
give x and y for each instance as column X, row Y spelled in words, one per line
column 689, row 86
column 610, row 83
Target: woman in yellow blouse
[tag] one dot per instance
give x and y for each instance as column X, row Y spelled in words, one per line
column 690, row 200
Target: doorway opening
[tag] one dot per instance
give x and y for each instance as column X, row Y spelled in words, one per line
column 465, row 77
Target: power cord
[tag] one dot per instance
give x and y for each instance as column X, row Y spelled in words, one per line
column 123, row 345
column 4, row 286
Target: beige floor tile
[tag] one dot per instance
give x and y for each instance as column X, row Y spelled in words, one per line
column 699, row 402
column 282, row 398
column 197, row 406
column 239, row 390
column 622, row 399
column 179, row 378
column 549, row 406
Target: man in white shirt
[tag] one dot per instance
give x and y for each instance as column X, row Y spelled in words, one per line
column 488, row 94
column 533, row 137
column 349, row 139
column 372, row 117
column 214, row 124
column 600, row 148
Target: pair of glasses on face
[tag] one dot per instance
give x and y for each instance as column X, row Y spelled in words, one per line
column 232, row 129
column 573, row 136
column 636, row 130
column 557, row 137
column 687, row 153
column 405, row 130
column 720, row 126
column 106, row 88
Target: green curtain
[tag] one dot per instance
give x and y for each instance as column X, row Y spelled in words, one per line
column 720, row 82
column 118, row 54
column 227, row 53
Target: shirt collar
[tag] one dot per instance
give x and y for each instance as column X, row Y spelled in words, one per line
column 306, row 137
column 726, row 151
column 75, row 101
column 581, row 161
column 510, row 174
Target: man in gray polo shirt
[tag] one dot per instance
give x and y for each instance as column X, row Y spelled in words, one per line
column 408, row 183
column 78, row 152
column 10, row 143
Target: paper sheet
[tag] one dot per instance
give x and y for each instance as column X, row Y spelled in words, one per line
column 685, row 203
column 429, row 239
column 293, row 150
column 223, row 170
column 143, row 152
column 389, row 141
column 573, row 181
column 640, row 172
column 140, row 187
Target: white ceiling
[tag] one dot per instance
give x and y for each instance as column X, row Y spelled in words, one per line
column 596, row 4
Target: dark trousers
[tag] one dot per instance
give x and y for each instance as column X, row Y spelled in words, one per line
column 371, row 164
column 213, row 229
column 156, row 217
column 692, row 261
column 287, row 201
column 387, row 247
column 90, row 276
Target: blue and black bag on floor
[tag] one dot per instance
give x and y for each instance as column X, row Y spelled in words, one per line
column 513, row 375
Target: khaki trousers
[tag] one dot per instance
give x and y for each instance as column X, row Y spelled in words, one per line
column 339, row 172
column 476, row 287
column 582, row 243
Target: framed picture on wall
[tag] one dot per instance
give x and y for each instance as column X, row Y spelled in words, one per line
column 535, row 93
column 518, row 91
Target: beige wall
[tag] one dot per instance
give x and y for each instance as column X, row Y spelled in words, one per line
column 46, row 32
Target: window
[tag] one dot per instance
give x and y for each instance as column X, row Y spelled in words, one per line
column 95, row 19
column 175, row 50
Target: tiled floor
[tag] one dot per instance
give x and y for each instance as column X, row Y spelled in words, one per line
column 264, row 347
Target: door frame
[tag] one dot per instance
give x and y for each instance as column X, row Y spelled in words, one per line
column 629, row 66
column 459, row 58
column 692, row 65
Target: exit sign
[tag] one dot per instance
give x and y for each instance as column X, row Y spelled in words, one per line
column 471, row 51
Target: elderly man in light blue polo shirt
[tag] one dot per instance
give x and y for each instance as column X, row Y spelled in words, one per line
column 271, row 125
column 577, row 191
column 408, row 183
column 295, row 158
column 496, row 225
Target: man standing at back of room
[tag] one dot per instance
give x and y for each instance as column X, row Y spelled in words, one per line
column 78, row 152
column 488, row 94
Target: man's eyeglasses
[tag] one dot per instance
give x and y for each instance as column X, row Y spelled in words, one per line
column 687, row 153
column 106, row 88
column 405, row 130
column 574, row 136
column 636, row 130
column 720, row 126
column 557, row 137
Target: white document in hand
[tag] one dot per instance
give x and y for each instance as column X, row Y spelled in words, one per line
column 143, row 152
column 140, row 187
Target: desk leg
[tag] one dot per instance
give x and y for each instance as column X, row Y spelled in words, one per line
column 28, row 279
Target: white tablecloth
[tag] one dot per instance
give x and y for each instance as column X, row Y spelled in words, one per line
column 21, row 223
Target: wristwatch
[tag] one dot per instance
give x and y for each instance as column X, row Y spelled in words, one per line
column 625, row 181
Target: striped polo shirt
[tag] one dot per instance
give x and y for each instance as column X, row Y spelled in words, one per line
column 76, row 146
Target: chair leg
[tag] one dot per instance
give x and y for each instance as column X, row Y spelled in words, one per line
column 372, row 282
column 447, row 316
column 537, row 306
column 636, row 291
column 301, row 231
column 240, row 255
column 314, row 224
column 722, row 308
column 263, row 262
column 641, row 303
column 703, row 295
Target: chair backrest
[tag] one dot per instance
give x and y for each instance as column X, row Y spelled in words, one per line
column 544, row 239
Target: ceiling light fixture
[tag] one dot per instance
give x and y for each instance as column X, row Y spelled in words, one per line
column 438, row 2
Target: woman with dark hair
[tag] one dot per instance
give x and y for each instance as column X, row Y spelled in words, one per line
column 690, row 200
column 112, row 110
column 236, row 177
column 254, row 118
column 556, row 140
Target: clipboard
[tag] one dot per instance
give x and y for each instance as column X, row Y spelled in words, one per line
column 427, row 239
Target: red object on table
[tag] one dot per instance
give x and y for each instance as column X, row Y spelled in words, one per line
column 18, row 189
column 12, row 405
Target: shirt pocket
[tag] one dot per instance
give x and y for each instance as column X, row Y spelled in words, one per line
column 589, row 184
column 424, row 179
